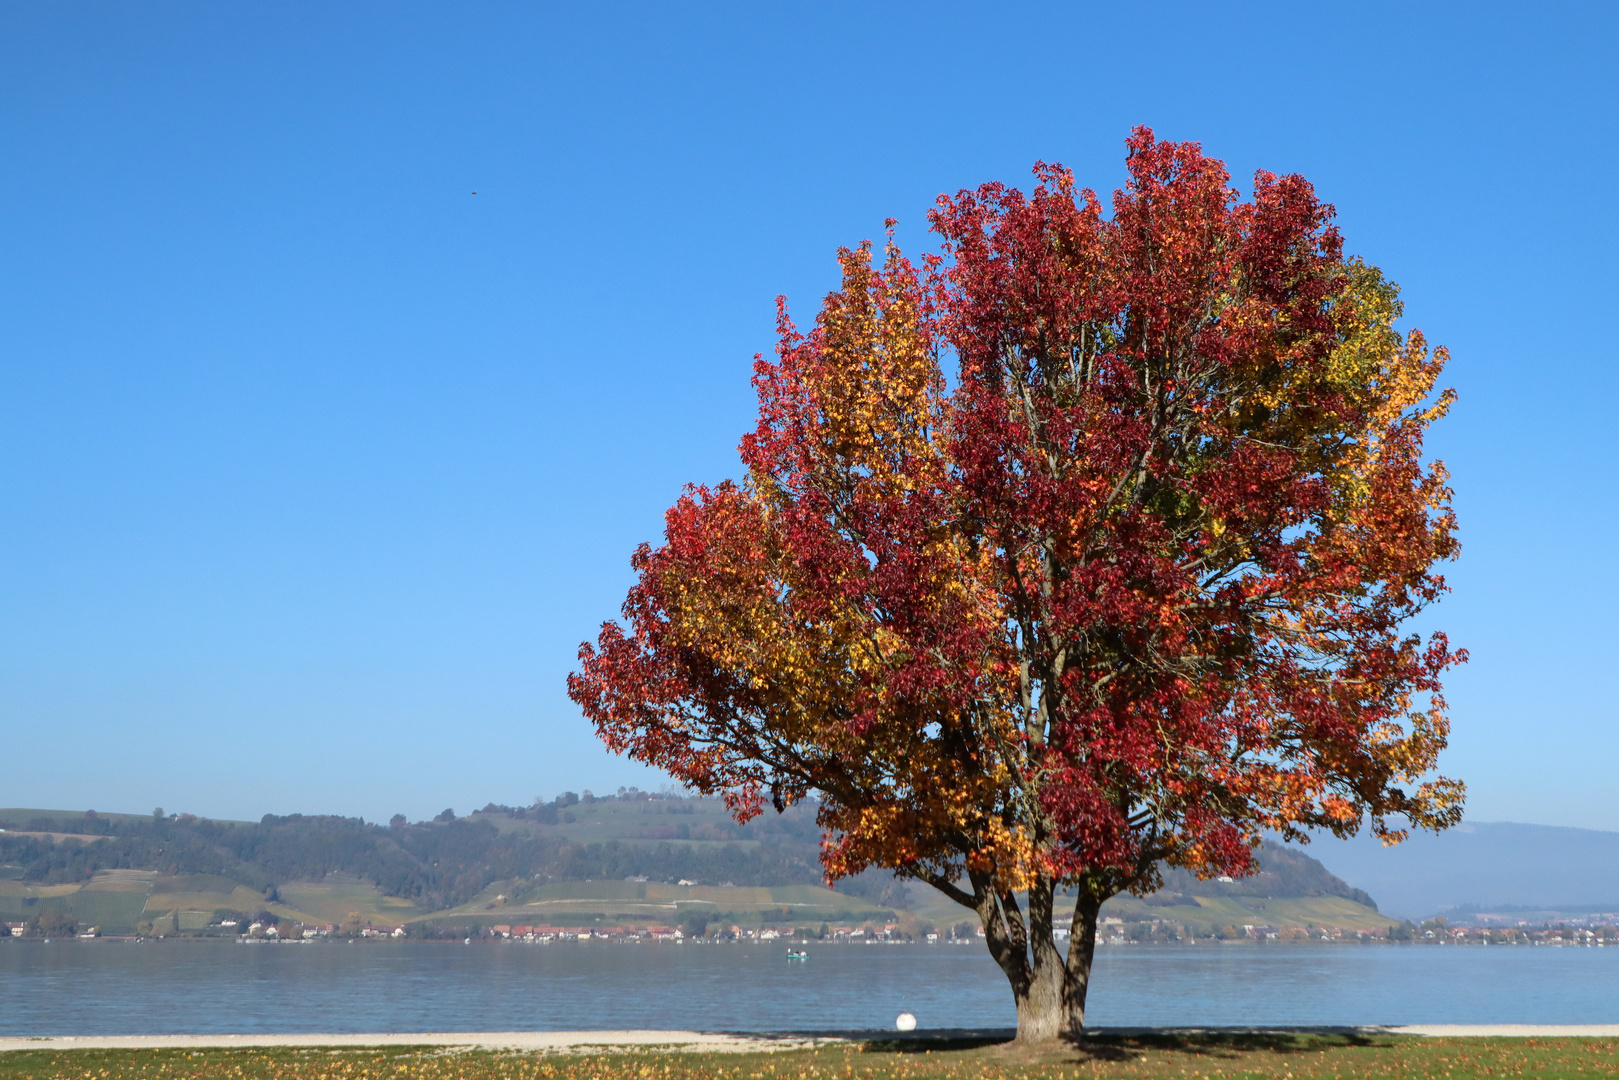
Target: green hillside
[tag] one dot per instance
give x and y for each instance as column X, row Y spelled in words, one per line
column 127, row 901
column 640, row 904
column 1212, row 913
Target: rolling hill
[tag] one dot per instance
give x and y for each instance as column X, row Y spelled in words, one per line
column 630, row 859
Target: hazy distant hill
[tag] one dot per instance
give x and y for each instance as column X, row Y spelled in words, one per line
column 1487, row 864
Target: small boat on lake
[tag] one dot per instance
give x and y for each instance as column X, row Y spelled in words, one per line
column 797, row 954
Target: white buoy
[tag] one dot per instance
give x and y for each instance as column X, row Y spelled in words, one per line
column 905, row 1022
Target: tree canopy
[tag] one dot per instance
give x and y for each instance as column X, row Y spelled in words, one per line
column 1083, row 547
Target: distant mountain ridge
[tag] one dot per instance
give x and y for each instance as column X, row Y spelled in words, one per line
column 1482, row 865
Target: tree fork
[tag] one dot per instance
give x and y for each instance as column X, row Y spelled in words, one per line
column 1049, row 986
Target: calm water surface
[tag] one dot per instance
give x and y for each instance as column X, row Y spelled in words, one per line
column 118, row 988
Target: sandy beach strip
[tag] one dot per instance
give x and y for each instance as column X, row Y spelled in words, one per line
column 724, row 1041
column 706, row 1041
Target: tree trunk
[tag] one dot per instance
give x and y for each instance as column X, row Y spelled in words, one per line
column 1051, row 1001
column 1040, row 1014
column 1077, row 971
column 1040, row 998
column 1048, row 987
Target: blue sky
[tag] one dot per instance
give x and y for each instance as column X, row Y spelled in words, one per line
column 316, row 467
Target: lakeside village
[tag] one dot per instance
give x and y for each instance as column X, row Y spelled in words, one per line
column 1595, row 931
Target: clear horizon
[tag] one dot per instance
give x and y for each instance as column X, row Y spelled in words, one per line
column 346, row 354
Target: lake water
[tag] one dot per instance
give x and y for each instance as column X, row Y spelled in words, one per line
column 124, row 988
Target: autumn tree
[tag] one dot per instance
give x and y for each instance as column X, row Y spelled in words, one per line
column 1128, row 591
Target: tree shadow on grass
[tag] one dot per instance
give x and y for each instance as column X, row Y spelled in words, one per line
column 1117, row 1046
column 931, row 1044
column 1274, row 1041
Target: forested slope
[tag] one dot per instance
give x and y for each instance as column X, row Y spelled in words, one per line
column 435, row 864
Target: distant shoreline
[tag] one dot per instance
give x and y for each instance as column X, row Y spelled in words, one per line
column 382, row 942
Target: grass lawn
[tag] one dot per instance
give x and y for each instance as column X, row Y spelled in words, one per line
column 1285, row 1057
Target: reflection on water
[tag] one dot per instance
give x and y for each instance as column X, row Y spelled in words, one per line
column 110, row 987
